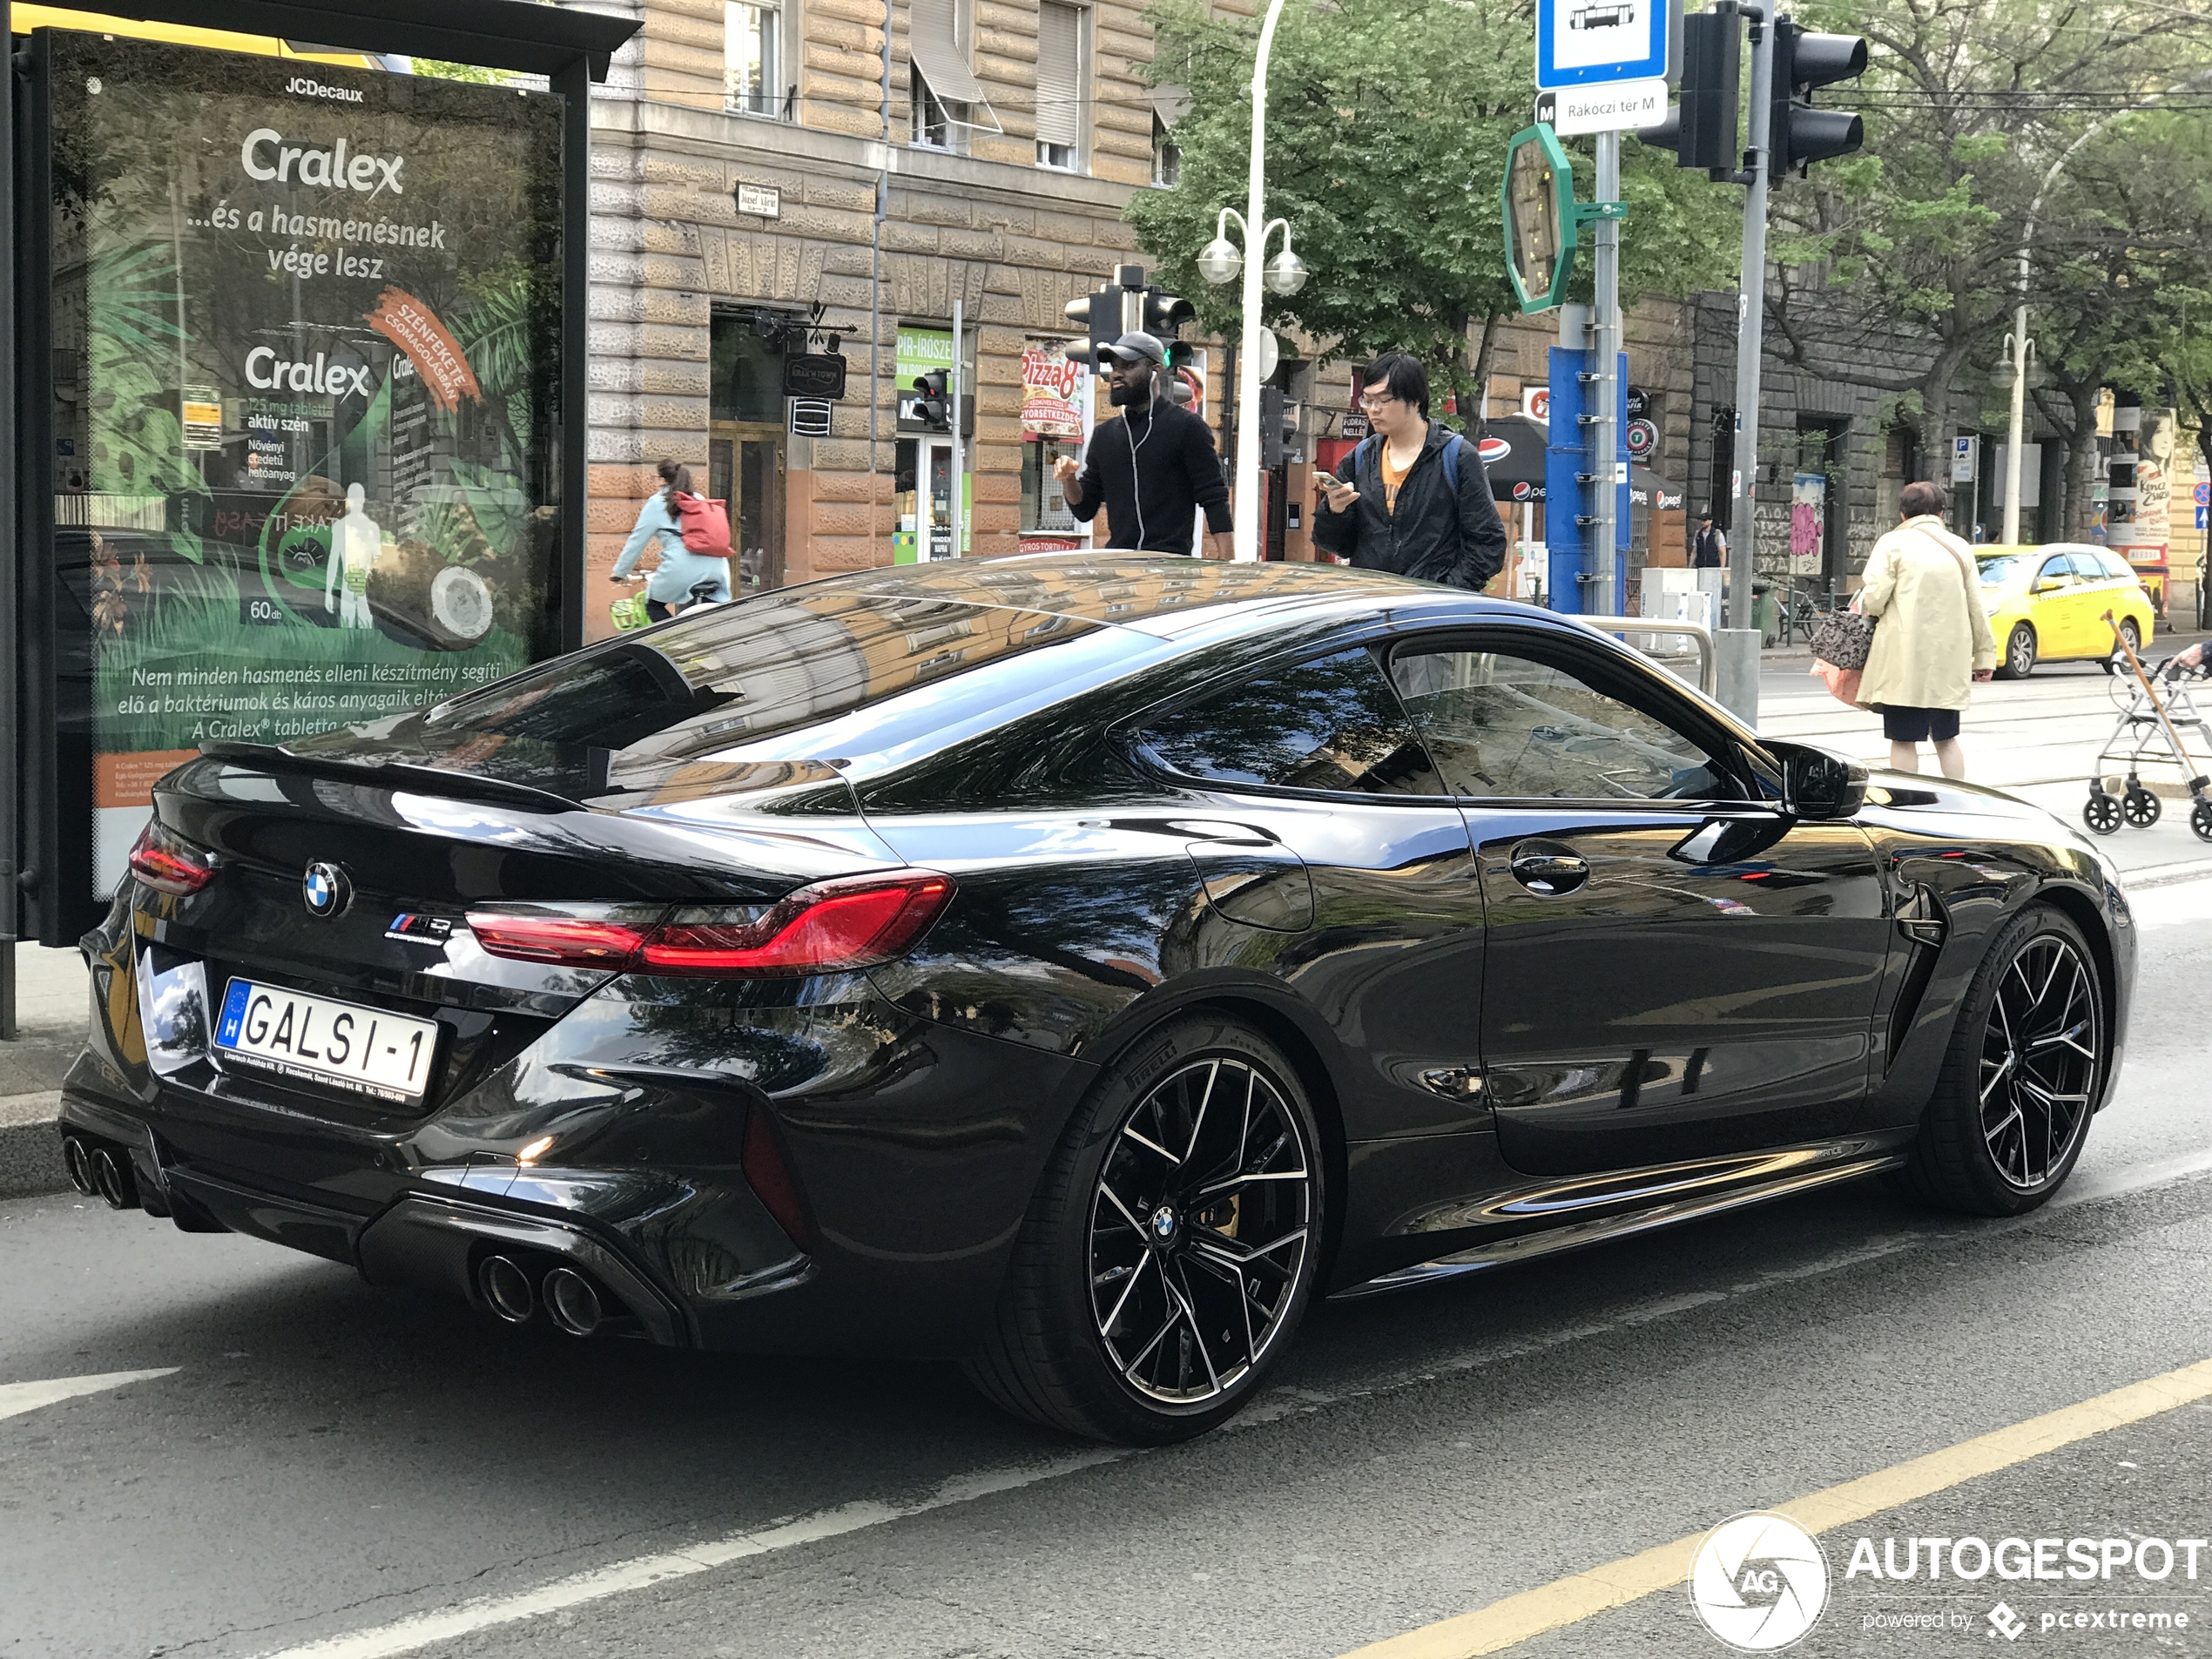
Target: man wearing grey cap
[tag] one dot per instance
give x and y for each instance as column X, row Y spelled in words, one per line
column 1152, row 469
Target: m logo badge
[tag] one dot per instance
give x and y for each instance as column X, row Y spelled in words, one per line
column 327, row 891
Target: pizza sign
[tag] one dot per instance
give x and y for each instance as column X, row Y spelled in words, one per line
column 1050, row 382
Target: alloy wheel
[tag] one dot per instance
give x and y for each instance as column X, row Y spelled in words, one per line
column 1201, row 1224
column 2020, row 652
column 2039, row 1062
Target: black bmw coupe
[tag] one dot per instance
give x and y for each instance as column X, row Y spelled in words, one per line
column 1071, row 965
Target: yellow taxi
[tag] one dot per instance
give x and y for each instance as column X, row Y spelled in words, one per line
column 2047, row 605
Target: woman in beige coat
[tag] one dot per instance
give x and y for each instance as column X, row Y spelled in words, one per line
column 1932, row 637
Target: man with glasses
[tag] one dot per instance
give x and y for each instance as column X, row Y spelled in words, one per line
column 1412, row 499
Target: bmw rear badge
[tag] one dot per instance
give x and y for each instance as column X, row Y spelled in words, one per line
column 327, row 891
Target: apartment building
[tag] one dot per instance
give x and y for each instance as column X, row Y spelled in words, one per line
column 769, row 176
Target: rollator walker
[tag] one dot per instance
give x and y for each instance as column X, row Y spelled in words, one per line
column 2145, row 724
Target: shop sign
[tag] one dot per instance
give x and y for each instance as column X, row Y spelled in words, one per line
column 369, row 289
column 814, row 375
column 920, row 352
column 1051, row 386
column 811, row 417
column 1640, row 438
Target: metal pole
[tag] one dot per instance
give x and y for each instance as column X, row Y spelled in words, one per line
column 11, row 750
column 875, row 288
column 1245, row 539
column 955, row 381
column 1751, row 331
column 1605, row 340
column 2017, row 341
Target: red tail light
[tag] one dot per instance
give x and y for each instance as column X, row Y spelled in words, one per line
column 833, row 927
column 167, row 863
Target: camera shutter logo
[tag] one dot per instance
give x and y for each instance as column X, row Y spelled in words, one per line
column 1758, row 1581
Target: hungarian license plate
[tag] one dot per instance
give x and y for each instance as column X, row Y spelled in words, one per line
column 312, row 1039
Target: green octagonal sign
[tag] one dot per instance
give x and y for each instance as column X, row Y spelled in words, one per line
column 1538, row 201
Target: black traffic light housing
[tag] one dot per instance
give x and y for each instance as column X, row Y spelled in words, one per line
column 1274, row 451
column 1166, row 313
column 1798, row 134
column 1100, row 316
column 1701, row 130
column 933, row 408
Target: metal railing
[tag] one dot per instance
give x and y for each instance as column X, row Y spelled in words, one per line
column 1659, row 628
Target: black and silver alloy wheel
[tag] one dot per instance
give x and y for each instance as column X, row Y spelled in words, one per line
column 2027, row 1062
column 2020, row 652
column 1172, row 1246
column 2039, row 1062
column 1200, row 1221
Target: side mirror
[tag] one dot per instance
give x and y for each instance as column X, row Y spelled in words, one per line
column 2047, row 584
column 1816, row 784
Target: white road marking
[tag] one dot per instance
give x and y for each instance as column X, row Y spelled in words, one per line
column 18, row 1398
column 419, row 1630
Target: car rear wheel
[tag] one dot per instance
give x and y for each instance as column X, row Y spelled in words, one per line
column 2117, row 661
column 1173, row 1248
column 2019, row 653
column 2027, row 1058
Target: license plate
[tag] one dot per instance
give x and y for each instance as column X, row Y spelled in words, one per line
column 365, row 1051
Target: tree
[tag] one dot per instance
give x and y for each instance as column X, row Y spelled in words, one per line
column 1898, row 266
column 1387, row 122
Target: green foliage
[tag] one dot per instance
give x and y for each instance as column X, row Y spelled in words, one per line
column 1387, row 124
column 132, row 343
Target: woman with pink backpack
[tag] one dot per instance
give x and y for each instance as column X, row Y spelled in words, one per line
column 693, row 537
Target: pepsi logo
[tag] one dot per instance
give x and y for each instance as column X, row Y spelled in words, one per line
column 1522, row 491
column 1493, row 450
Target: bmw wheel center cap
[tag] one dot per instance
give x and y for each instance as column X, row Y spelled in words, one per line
column 326, row 890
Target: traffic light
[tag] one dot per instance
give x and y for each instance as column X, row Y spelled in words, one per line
column 1701, row 130
column 1273, row 448
column 1166, row 313
column 933, row 408
column 1797, row 134
column 1099, row 315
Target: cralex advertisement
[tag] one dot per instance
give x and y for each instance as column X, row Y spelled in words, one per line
column 304, row 420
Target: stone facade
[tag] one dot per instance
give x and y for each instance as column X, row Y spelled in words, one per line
column 1012, row 241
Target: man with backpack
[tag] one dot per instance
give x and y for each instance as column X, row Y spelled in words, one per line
column 1412, row 499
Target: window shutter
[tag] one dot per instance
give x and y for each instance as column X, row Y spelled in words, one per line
column 1059, row 73
column 937, row 54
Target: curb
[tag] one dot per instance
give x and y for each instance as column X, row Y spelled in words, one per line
column 30, row 1145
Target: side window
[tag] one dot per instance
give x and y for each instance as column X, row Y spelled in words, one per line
column 2055, row 569
column 1330, row 723
column 1510, row 727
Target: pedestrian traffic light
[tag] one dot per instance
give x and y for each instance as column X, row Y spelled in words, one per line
column 933, row 408
column 1274, row 434
column 1701, row 130
column 1100, row 316
column 1166, row 313
column 1797, row 134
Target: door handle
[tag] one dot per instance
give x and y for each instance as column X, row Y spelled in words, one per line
column 1548, row 874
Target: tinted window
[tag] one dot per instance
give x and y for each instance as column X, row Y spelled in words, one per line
column 1330, row 724
column 1509, row 727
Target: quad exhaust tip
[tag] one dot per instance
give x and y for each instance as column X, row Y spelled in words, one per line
column 507, row 1289
column 572, row 1302
column 112, row 1178
column 78, row 1162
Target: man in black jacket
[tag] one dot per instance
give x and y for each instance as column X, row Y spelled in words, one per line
column 1396, row 505
column 1152, row 469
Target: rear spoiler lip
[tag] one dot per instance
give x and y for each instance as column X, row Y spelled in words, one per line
column 436, row 780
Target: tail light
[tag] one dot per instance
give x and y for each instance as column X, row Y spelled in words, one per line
column 167, row 863
column 833, row 927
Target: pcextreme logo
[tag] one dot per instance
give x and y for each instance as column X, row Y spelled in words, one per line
column 1758, row 1581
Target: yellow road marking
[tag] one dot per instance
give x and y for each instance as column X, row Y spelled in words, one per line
column 1569, row 1601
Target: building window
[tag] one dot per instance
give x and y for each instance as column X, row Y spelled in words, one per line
column 938, row 123
column 1167, row 156
column 752, row 57
column 1060, row 81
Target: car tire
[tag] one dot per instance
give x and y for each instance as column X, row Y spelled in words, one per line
column 2019, row 653
column 2116, row 660
column 1107, row 1324
column 2027, row 1060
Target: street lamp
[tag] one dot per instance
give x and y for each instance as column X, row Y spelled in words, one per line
column 1222, row 261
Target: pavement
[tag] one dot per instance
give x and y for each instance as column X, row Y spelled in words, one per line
column 211, row 1446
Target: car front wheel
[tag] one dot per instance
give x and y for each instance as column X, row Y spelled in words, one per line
column 1173, row 1248
column 2116, row 662
column 2019, row 653
column 2011, row 1105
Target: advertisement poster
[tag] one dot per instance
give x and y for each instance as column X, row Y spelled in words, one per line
column 1051, row 390
column 306, row 445
column 1808, row 519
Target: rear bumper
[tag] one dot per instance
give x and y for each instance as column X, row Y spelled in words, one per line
column 899, row 1157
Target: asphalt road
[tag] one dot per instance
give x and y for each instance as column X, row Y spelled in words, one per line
column 320, row 1462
